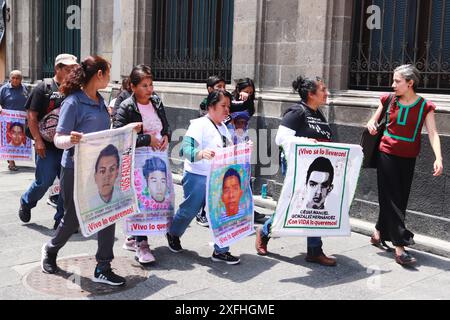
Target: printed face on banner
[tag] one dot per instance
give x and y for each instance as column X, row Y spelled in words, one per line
column 106, row 172
column 229, row 195
column 319, row 183
column 318, row 187
column 15, row 135
column 14, row 145
column 227, row 187
column 104, row 184
column 155, row 194
column 154, row 172
column 231, row 192
column 157, row 185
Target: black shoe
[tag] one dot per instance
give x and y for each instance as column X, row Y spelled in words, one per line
column 259, row 217
column 405, row 259
column 48, row 261
column 225, row 257
column 202, row 220
column 108, row 277
column 174, row 243
column 24, row 214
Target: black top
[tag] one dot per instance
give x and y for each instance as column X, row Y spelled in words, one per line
column 123, row 95
column 307, row 123
column 43, row 100
column 128, row 112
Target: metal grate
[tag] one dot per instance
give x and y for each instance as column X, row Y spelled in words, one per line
column 412, row 32
column 192, row 39
column 57, row 37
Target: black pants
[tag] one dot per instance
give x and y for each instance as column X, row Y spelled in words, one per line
column 395, row 175
column 69, row 224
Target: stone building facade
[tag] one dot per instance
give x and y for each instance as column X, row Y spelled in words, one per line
column 273, row 42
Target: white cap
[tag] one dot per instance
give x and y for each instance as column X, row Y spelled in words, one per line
column 66, row 59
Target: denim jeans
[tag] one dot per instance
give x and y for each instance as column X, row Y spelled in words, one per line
column 194, row 187
column 47, row 169
column 314, row 243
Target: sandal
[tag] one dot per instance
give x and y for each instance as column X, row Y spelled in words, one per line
column 12, row 167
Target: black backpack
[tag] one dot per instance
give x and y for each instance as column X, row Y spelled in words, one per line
column 48, row 124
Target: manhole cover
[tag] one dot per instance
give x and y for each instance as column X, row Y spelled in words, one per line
column 74, row 278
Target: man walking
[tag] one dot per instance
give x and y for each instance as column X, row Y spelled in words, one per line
column 44, row 99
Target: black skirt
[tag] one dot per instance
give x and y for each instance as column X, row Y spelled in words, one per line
column 395, row 175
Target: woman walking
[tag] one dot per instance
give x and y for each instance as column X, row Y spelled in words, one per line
column 399, row 148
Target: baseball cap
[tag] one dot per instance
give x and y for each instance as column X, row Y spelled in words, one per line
column 66, row 59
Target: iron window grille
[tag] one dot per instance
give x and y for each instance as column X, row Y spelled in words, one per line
column 412, row 32
column 192, row 39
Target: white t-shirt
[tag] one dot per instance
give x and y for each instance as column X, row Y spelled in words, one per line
column 202, row 130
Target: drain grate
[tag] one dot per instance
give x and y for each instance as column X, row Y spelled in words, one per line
column 74, row 278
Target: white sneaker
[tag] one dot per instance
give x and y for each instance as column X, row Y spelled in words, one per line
column 143, row 253
column 130, row 244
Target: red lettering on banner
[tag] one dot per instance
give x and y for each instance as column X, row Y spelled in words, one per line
column 125, row 182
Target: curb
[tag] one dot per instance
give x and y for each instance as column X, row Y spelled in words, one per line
column 423, row 243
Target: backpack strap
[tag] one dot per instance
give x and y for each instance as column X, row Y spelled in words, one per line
column 50, row 86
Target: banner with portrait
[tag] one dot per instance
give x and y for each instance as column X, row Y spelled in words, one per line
column 229, row 199
column 104, row 181
column 318, row 189
column 14, row 144
column 155, row 194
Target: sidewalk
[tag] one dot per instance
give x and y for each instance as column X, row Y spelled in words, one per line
column 363, row 271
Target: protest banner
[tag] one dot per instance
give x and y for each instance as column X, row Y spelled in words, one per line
column 155, row 194
column 104, row 181
column 229, row 199
column 318, row 189
column 14, row 144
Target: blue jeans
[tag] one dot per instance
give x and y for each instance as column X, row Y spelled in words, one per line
column 194, row 187
column 314, row 243
column 47, row 169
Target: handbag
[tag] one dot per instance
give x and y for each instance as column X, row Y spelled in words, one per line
column 370, row 143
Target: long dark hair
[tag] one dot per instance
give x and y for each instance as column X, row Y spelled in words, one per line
column 83, row 73
column 305, row 85
column 241, row 85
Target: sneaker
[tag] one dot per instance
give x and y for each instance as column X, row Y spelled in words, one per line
column 261, row 243
column 405, row 259
column 143, row 253
column 202, row 220
column 24, row 214
column 48, row 261
column 259, row 217
column 108, row 277
column 174, row 243
column 52, row 201
column 225, row 257
column 130, row 244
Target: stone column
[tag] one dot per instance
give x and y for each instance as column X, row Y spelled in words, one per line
column 248, row 16
column 24, row 47
column 87, row 40
column 136, row 34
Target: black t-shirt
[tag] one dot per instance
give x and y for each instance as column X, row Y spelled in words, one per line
column 43, row 100
column 307, row 123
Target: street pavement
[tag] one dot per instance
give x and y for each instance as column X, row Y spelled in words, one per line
column 363, row 271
